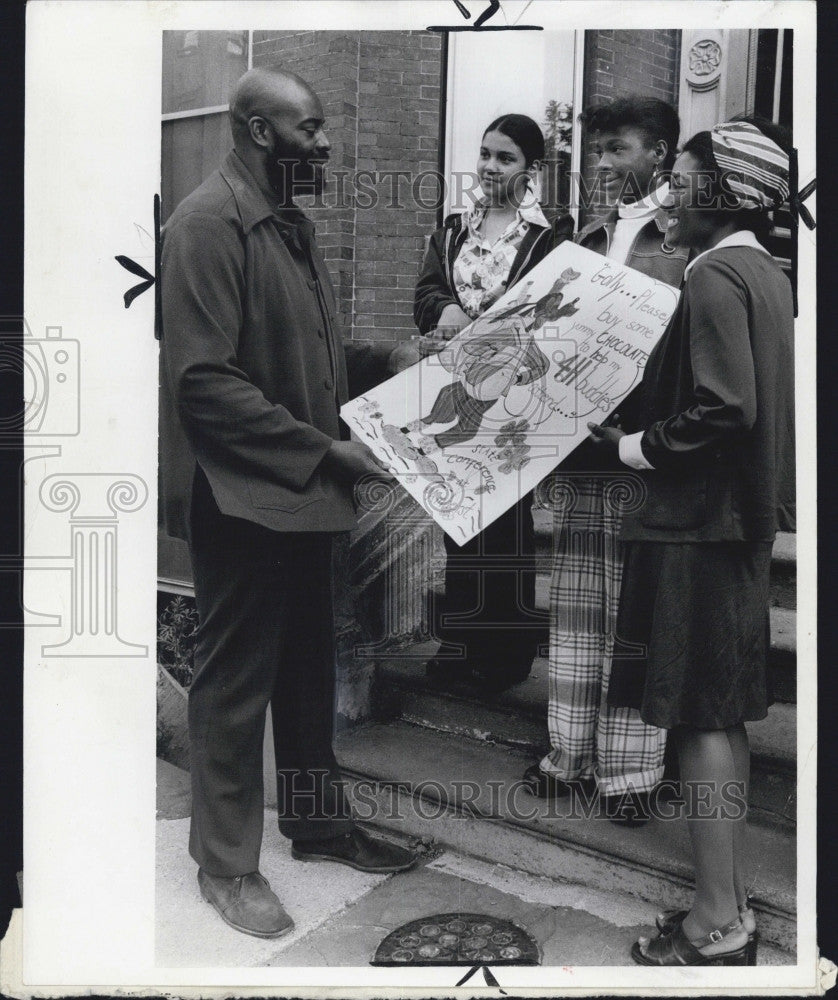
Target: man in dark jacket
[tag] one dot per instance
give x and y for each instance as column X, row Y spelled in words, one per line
column 254, row 475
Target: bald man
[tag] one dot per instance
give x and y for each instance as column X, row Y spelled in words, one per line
column 255, row 476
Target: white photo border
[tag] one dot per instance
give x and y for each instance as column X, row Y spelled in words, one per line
column 92, row 169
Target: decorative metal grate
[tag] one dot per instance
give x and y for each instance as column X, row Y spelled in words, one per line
column 458, row 939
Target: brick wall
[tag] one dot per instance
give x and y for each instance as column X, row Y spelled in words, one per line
column 328, row 60
column 628, row 62
column 398, row 129
column 380, row 94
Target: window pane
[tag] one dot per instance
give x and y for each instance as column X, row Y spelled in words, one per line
column 200, row 67
column 510, row 72
column 785, row 115
column 173, row 561
column 766, row 71
column 766, row 77
column 192, row 149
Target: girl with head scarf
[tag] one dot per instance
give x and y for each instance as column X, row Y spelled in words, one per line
column 715, row 441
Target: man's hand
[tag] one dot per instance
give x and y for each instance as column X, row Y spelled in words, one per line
column 608, row 437
column 404, row 356
column 452, row 319
column 434, row 340
column 408, row 354
column 350, row 461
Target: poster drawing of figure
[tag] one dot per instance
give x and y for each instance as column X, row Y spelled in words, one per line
column 489, row 413
column 486, row 368
column 489, row 364
column 547, row 304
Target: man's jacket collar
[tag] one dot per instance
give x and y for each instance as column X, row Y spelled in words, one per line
column 608, row 219
column 252, row 203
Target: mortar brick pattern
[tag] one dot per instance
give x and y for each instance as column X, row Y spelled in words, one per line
column 622, row 62
column 380, row 93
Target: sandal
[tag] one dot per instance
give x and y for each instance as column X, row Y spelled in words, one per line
column 675, row 948
column 667, row 920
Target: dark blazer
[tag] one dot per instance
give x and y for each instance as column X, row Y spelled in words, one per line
column 252, row 369
column 435, row 288
column 651, row 255
column 717, row 407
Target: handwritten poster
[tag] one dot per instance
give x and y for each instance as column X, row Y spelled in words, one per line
column 470, row 430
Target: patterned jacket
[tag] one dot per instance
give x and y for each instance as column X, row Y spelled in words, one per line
column 435, row 289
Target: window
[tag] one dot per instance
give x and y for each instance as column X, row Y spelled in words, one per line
column 199, row 70
column 532, row 73
column 773, row 100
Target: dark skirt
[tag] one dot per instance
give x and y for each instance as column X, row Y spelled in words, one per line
column 693, row 633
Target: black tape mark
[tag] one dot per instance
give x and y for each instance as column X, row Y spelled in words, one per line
column 487, row 976
column 490, row 11
column 480, row 24
column 140, row 271
column 798, row 212
column 148, row 279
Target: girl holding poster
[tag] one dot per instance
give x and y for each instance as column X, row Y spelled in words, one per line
column 716, row 441
column 470, row 263
column 592, row 743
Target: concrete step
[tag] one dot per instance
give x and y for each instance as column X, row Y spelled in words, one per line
column 466, row 794
column 784, row 570
column 575, row 925
column 783, row 562
column 782, row 658
column 517, row 718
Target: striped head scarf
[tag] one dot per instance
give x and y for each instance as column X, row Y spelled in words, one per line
column 756, row 169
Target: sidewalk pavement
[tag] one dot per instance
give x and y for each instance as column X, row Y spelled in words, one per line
column 342, row 915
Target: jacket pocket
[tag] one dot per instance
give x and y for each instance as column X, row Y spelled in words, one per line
column 676, row 502
column 272, row 496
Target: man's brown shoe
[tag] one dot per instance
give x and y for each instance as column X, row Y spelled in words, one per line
column 358, row 850
column 246, row 903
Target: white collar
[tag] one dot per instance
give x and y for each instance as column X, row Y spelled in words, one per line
column 528, row 211
column 645, row 206
column 741, row 238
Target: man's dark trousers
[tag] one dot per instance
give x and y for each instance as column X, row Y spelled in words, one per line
column 266, row 636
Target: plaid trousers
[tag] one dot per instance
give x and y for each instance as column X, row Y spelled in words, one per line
column 588, row 737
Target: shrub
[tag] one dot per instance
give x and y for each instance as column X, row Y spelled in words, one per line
column 177, row 626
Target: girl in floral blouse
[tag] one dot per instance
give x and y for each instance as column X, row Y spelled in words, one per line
column 470, row 263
